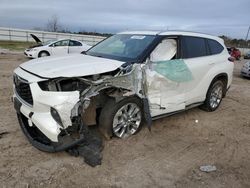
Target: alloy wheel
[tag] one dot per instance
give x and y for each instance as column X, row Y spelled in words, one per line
column 127, row 120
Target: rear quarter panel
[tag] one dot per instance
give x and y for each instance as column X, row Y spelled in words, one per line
column 213, row 65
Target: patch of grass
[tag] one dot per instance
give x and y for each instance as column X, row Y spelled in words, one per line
column 15, row 45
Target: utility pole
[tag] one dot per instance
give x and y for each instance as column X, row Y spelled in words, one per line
column 247, row 33
column 246, row 39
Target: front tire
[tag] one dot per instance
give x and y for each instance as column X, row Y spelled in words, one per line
column 43, row 54
column 121, row 119
column 214, row 96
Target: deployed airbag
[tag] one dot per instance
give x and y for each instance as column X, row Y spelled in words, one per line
column 175, row 70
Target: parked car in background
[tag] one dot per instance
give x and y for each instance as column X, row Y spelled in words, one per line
column 247, row 55
column 59, row 47
column 117, row 84
column 245, row 71
column 235, row 52
column 229, row 50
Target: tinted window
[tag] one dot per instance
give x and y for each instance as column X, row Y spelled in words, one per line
column 62, row 43
column 74, row 43
column 215, row 47
column 193, row 47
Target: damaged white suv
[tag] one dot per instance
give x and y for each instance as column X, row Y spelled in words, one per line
column 124, row 80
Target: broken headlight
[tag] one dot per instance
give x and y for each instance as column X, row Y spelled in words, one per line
column 56, row 116
column 72, row 84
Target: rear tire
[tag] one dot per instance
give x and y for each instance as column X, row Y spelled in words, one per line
column 214, row 96
column 122, row 119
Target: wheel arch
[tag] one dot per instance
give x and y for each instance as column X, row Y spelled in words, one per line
column 105, row 113
column 99, row 101
column 224, row 78
column 39, row 54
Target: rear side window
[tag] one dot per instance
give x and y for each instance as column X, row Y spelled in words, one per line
column 74, row 43
column 215, row 47
column 193, row 47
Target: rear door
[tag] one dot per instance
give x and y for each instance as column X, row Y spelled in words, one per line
column 60, row 47
column 75, row 47
column 195, row 54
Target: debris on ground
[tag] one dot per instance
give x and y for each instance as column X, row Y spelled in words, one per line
column 90, row 150
column 3, row 133
column 208, row 168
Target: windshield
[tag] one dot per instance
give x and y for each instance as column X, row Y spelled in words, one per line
column 123, row 47
column 48, row 42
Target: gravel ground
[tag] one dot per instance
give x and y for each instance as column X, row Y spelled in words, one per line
column 169, row 156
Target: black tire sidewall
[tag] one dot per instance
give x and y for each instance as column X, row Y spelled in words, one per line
column 110, row 109
column 43, row 52
column 207, row 102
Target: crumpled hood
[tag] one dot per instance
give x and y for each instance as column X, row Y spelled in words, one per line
column 70, row 66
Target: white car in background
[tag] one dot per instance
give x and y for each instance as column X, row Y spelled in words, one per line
column 55, row 48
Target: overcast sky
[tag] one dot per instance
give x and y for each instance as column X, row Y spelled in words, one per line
column 231, row 18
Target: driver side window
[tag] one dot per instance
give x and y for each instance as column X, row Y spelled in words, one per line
column 164, row 51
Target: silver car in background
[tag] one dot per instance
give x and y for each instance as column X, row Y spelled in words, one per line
column 245, row 71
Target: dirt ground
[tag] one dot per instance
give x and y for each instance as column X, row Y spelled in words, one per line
column 169, row 156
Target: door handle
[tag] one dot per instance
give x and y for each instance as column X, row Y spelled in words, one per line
column 211, row 63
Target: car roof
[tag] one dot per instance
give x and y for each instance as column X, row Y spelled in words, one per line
column 173, row 32
column 66, row 39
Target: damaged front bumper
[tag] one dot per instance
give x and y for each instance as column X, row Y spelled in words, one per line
column 30, row 53
column 45, row 119
column 86, row 145
column 49, row 112
column 44, row 104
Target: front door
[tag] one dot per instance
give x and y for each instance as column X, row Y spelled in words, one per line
column 60, row 47
column 166, row 76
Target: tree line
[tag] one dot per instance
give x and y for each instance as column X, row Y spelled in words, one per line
column 239, row 43
column 53, row 25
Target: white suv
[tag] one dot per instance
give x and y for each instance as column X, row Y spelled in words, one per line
column 123, row 80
